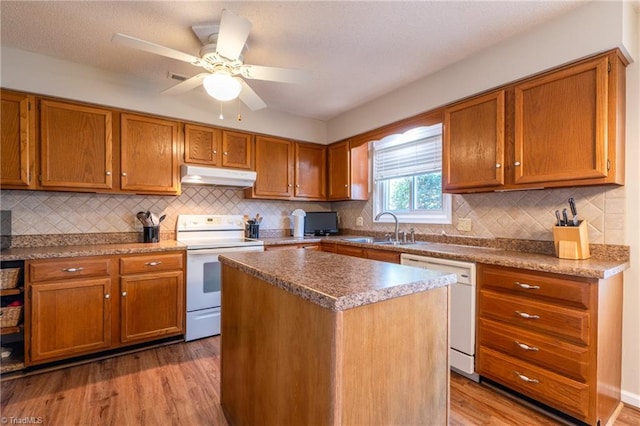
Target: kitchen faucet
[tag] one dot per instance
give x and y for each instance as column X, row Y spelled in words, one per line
column 394, row 218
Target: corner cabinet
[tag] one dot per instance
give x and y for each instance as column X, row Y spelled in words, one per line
column 561, row 128
column 554, row 338
column 348, row 171
column 17, row 141
column 149, row 154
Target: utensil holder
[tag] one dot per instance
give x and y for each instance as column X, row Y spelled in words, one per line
column 572, row 242
column 151, row 234
column 253, row 231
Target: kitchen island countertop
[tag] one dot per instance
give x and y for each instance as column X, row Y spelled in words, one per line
column 334, row 281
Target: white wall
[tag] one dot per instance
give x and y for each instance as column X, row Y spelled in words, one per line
column 595, row 27
column 29, row 72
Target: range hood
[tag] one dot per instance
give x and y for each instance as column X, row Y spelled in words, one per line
column 216, row 176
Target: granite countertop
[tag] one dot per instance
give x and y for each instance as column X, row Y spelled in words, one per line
column 335, row 281
column 30, row 253
column 588, row 268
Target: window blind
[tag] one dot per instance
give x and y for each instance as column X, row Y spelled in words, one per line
column 398, row 157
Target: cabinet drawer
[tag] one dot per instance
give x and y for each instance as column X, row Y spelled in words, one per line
column 151, row 263
column 572, row 324
column 383, row 255
column 349, row 250
column 535, row 285
column 554, row 390
column 59, row 269
column 553, row 354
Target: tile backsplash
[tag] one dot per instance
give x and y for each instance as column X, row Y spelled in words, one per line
column 521, row 214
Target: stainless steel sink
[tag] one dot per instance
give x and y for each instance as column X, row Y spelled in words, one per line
column 401, row 243
column 359, row 239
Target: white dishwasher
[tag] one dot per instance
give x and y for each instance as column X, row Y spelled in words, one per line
column 462, row 313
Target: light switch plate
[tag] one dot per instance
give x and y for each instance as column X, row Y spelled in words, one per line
column 464, row 224
column 359, row 221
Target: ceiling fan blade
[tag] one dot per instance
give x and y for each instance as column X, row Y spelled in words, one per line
column 250, row 98
column 282, row 75
column 234, row 31
column 188, row 84
column 150, row 47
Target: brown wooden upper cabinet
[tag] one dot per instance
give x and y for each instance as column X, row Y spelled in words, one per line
column 217, row 147
column 310, row 171
column 149, row 154
column 561, row 128
column 236, row 150
column 288, row 170
column 348, row 171
column 75, row 146
column 17, row 142
column 473, row 144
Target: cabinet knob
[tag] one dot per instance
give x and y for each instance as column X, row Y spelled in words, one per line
column 215, row 152
column 107, row 296
column 224, row 153
column 527, row 286
column 124, row 293
column 498, row 165
column 517, row 163
column 79, row 269
column 525, row 378
column 527, row 316
column 108, row 173
column 124, row 173
column 297, row 186
column 346, row 186
column 526, row 347
column 289, row 185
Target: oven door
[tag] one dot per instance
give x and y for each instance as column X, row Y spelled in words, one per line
column 203, row 276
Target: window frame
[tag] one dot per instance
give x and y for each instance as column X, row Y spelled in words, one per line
column 442, row 216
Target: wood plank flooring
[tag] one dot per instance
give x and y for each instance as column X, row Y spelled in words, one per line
column 179, row 385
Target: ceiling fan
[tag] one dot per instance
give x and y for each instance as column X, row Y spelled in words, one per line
column 221, row 57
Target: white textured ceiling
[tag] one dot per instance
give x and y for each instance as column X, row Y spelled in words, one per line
column 355, row 51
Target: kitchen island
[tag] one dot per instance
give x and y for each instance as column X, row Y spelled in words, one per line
column 318, row 338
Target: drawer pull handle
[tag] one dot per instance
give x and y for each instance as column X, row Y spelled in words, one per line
column 526, row 379
column 73, row 269
column 527, row 316
column 527, row 286
column 153, row 263
column 526, row 347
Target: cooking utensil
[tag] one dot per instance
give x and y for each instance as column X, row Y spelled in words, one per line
column 559, row 223
column 565, row 217
column 162, row 218
column 574, row 211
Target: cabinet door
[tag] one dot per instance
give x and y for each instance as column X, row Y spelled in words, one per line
column 149, row 155
column 151, row 305
column 17, row 141
column 69, row 318
column 274, row 168
column 202, row 145
column 76, row 146
column 473, row 145
column 561, row 125
column 339, row 171
column 310, row 167
column 236, row 150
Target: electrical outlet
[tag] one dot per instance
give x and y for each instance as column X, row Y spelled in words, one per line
column 464, row 224
column 359, row 221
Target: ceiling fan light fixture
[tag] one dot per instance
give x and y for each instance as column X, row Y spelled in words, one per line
column 222, row 86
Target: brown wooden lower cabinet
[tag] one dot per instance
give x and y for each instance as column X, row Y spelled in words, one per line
column 367, row 253
column 79, row 306
column 554, row 338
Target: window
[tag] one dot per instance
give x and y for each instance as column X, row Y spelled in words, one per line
column 407, row 173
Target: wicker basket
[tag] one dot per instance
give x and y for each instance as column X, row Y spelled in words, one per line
column 10, row 316
column 9, row 277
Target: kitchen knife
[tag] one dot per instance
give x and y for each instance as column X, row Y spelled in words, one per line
column 574, row 211
column 559, row 223
column 565, row 217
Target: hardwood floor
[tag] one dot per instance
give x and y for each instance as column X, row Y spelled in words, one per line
column 179, row 384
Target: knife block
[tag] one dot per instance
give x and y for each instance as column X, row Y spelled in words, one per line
column 572, row 242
